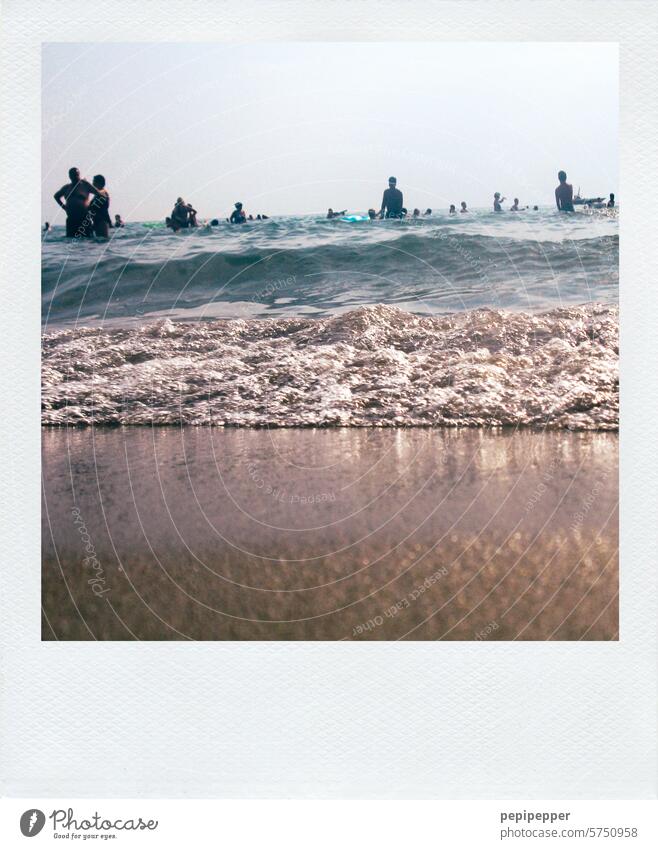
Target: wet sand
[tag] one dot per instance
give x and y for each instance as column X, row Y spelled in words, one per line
column 329, row 534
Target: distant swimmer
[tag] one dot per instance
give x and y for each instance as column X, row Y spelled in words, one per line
column 535, row 209
column 416, row 213
column 183, row 215
column 372, row 214
column 332, row 214
column 214, row 222
column 515, row 207
column 118, row 221
column 463, row 209
column 497, row 202
column 46, row 227
column 99, row 209
column 564, row 193
column 428, row 211
column 452, row 209
column 238, row 215
column 76, row 196
column 392, row 201
column 250, row 218
column 264, row 217
column 611, row 202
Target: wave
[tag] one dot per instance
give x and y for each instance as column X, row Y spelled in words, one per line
column 321, row 272
column 372, row 366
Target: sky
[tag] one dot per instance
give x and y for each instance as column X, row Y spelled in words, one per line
column 293, row 128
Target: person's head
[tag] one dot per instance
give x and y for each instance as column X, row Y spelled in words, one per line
column 496, row 195
column 99, row 181
column 47, row 224
column 330, row 211
column 179, row 200
column 516, row 201
column 258, row 217
column 238, row 206
column 251, row 217
column 612, row 195
column 562, row 176
column 214, row 222
column 372, row 213
column 535, row 209
column 416, row 212
column 392, row 182
column 428, row 211
column 452, row 207
column 117, row 217
column 404, row 210
column 463, row 204
column 74, row 175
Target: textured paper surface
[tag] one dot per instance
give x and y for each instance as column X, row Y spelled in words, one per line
column 467, row 720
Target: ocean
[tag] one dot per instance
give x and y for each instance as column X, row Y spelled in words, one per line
column 477, row 319
column 408, row 431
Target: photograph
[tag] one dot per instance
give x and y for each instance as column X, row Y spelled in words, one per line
column 329, row 341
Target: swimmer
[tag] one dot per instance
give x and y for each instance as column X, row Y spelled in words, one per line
column 416, row 213
column 611, row 202
column 515, row 207
column 535, row 209
column 214, row 222
column 497, row 202
column 564, row 194
column 238, row 215
column 264, row 217
column 332, row 214
column 428, row 211
column 76, row 194
column 118, row 221
column 463, row 206
column 251, row 218
column 392, row 201
column 183, row 215
column 99, row 209
column 372, row 214
column 452, row 209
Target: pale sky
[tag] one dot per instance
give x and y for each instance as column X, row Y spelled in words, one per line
column 298, row 127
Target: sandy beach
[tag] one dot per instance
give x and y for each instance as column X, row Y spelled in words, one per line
column 329, row 534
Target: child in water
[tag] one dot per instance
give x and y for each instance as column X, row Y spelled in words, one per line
column 497, row 202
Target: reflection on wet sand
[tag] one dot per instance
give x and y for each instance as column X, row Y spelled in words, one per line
column 355, row 534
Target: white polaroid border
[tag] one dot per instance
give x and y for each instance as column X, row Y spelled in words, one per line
column 413, row 720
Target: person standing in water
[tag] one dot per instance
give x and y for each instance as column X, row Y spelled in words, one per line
column 74, row 200
column 99, row 209
column 497, row 202
column 611, row 202
column 238, row 215
column 118, row 221
column 391, row 201
column 564, row 193
column 183, row 215
column 463, row 205
column 452, row 209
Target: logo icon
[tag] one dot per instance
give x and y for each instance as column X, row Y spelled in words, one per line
column 32, row 822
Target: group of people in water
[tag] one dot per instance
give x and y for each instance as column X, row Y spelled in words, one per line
column 87, row 207
column 85, row 217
